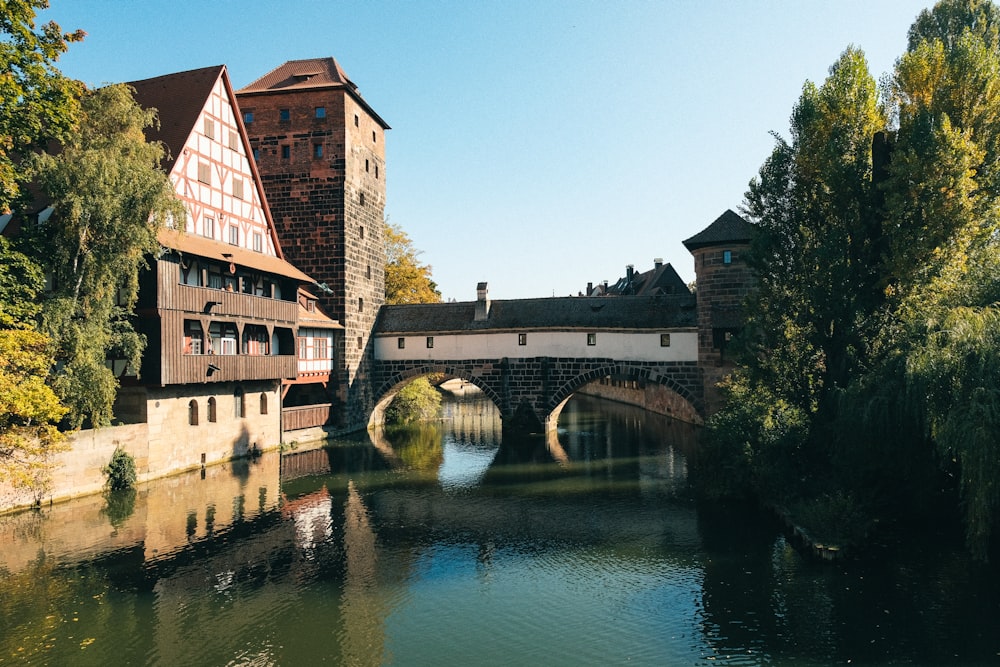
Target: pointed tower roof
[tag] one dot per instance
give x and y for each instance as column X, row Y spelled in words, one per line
column 728, row 228
column 309, row 74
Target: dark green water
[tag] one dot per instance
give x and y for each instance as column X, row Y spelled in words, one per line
column 446, row 546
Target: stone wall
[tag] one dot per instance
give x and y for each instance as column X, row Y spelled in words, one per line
column 654, row 398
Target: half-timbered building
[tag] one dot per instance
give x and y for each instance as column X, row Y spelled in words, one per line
column 219, row 306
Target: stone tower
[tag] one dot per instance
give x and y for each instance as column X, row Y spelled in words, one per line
column 320, row 151
column 723, row 279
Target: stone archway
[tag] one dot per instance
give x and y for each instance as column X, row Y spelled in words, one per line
column 391, row 387
column 677, row 399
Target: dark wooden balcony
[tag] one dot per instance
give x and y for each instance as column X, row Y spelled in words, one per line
column 305, row 416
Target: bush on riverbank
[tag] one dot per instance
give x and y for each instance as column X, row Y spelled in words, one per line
column 416, row 402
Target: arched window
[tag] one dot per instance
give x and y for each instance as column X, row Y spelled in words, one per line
column 211, row 410
column 263, row 404
column 193, row 413
column 240, row 408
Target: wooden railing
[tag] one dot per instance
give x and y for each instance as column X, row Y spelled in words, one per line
column 305, row 416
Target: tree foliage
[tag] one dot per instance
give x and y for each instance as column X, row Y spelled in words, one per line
column 28, row 409
column 873, row 351
column 406, row 279
column 417, row 401
column 38, row 102
column 110, row 198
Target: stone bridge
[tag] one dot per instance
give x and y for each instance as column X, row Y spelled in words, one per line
column 529, row 356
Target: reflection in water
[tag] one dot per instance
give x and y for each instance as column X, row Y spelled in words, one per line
column 450, row 546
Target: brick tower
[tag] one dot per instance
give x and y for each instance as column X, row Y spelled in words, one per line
column 320, row 151
column 723, row 279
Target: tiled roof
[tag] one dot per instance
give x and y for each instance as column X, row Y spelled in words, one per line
column 727, row 228
column 310, row 74
column 650, row 312
column 194, row 244
column 660, row 280
column 179, row 98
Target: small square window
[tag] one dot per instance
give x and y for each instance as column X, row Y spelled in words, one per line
column 664, row 340
column 286, row 152
column 321, row 112
column 258, row 242
column 205, row 173
column 248, row 117
column 430, row 342
column 234, row 141
column 209, row 228
column 238, row 188
column 210, row 128
column 234, row 235
column 522, row 339
column 591, row 339
column 284, row 114
column 401, row 343
column 317, row 151
column 727, row 256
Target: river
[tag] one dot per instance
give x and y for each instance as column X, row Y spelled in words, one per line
column 447, row 545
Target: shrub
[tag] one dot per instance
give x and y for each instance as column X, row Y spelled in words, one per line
column 120, row 470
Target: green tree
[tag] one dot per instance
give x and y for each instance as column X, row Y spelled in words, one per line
column 417, row 401
column 28, row 410
column 406, row 279
column 110, row 198
column 37, row 103
column 21, row 282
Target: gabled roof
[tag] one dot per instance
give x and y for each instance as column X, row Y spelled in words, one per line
column 662, row 279
column 649, row 312
column 179, row 99
column 315, row 318
column 310, row 74
column 727, row 228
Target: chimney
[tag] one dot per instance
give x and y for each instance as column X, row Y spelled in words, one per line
column 657, row 263
column 590, row 289
column 629, row 272
column 482, row 303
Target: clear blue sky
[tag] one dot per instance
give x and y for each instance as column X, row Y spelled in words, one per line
column 537, row 145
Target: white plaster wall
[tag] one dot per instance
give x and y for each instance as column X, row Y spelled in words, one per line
column 625, row 346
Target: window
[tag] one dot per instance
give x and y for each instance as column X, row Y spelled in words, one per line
column 361, row 231
column 727, row 256
column 193, row 413
column 238, row 188
column 522, row 339
column 430, row 342
column 401, row 343
column 361, row 199
column 368, row 272
column 193, row 338
column 234, row 235
column 234, row 140
column 210, row 128
column 258, row 242
column 248, row 117
column 284, row 114
column 374, row 140
column 355, row 120
column 366, row 165
column 227, row 346
column 591, row 339
column 376, row 172
column 361, row 342
column 361, row 305
column 321, row 112
column 209, row 230
column 664, row 340
column 263, row 404
column 205, row 173
column 239, row 409
column 256, row 155
column 211, row 410
column 317, row 151
column 319, row 349
column 286, row 152
column 303, row 347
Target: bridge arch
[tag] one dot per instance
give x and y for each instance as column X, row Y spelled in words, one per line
column 390, row 387
column 690, row 409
